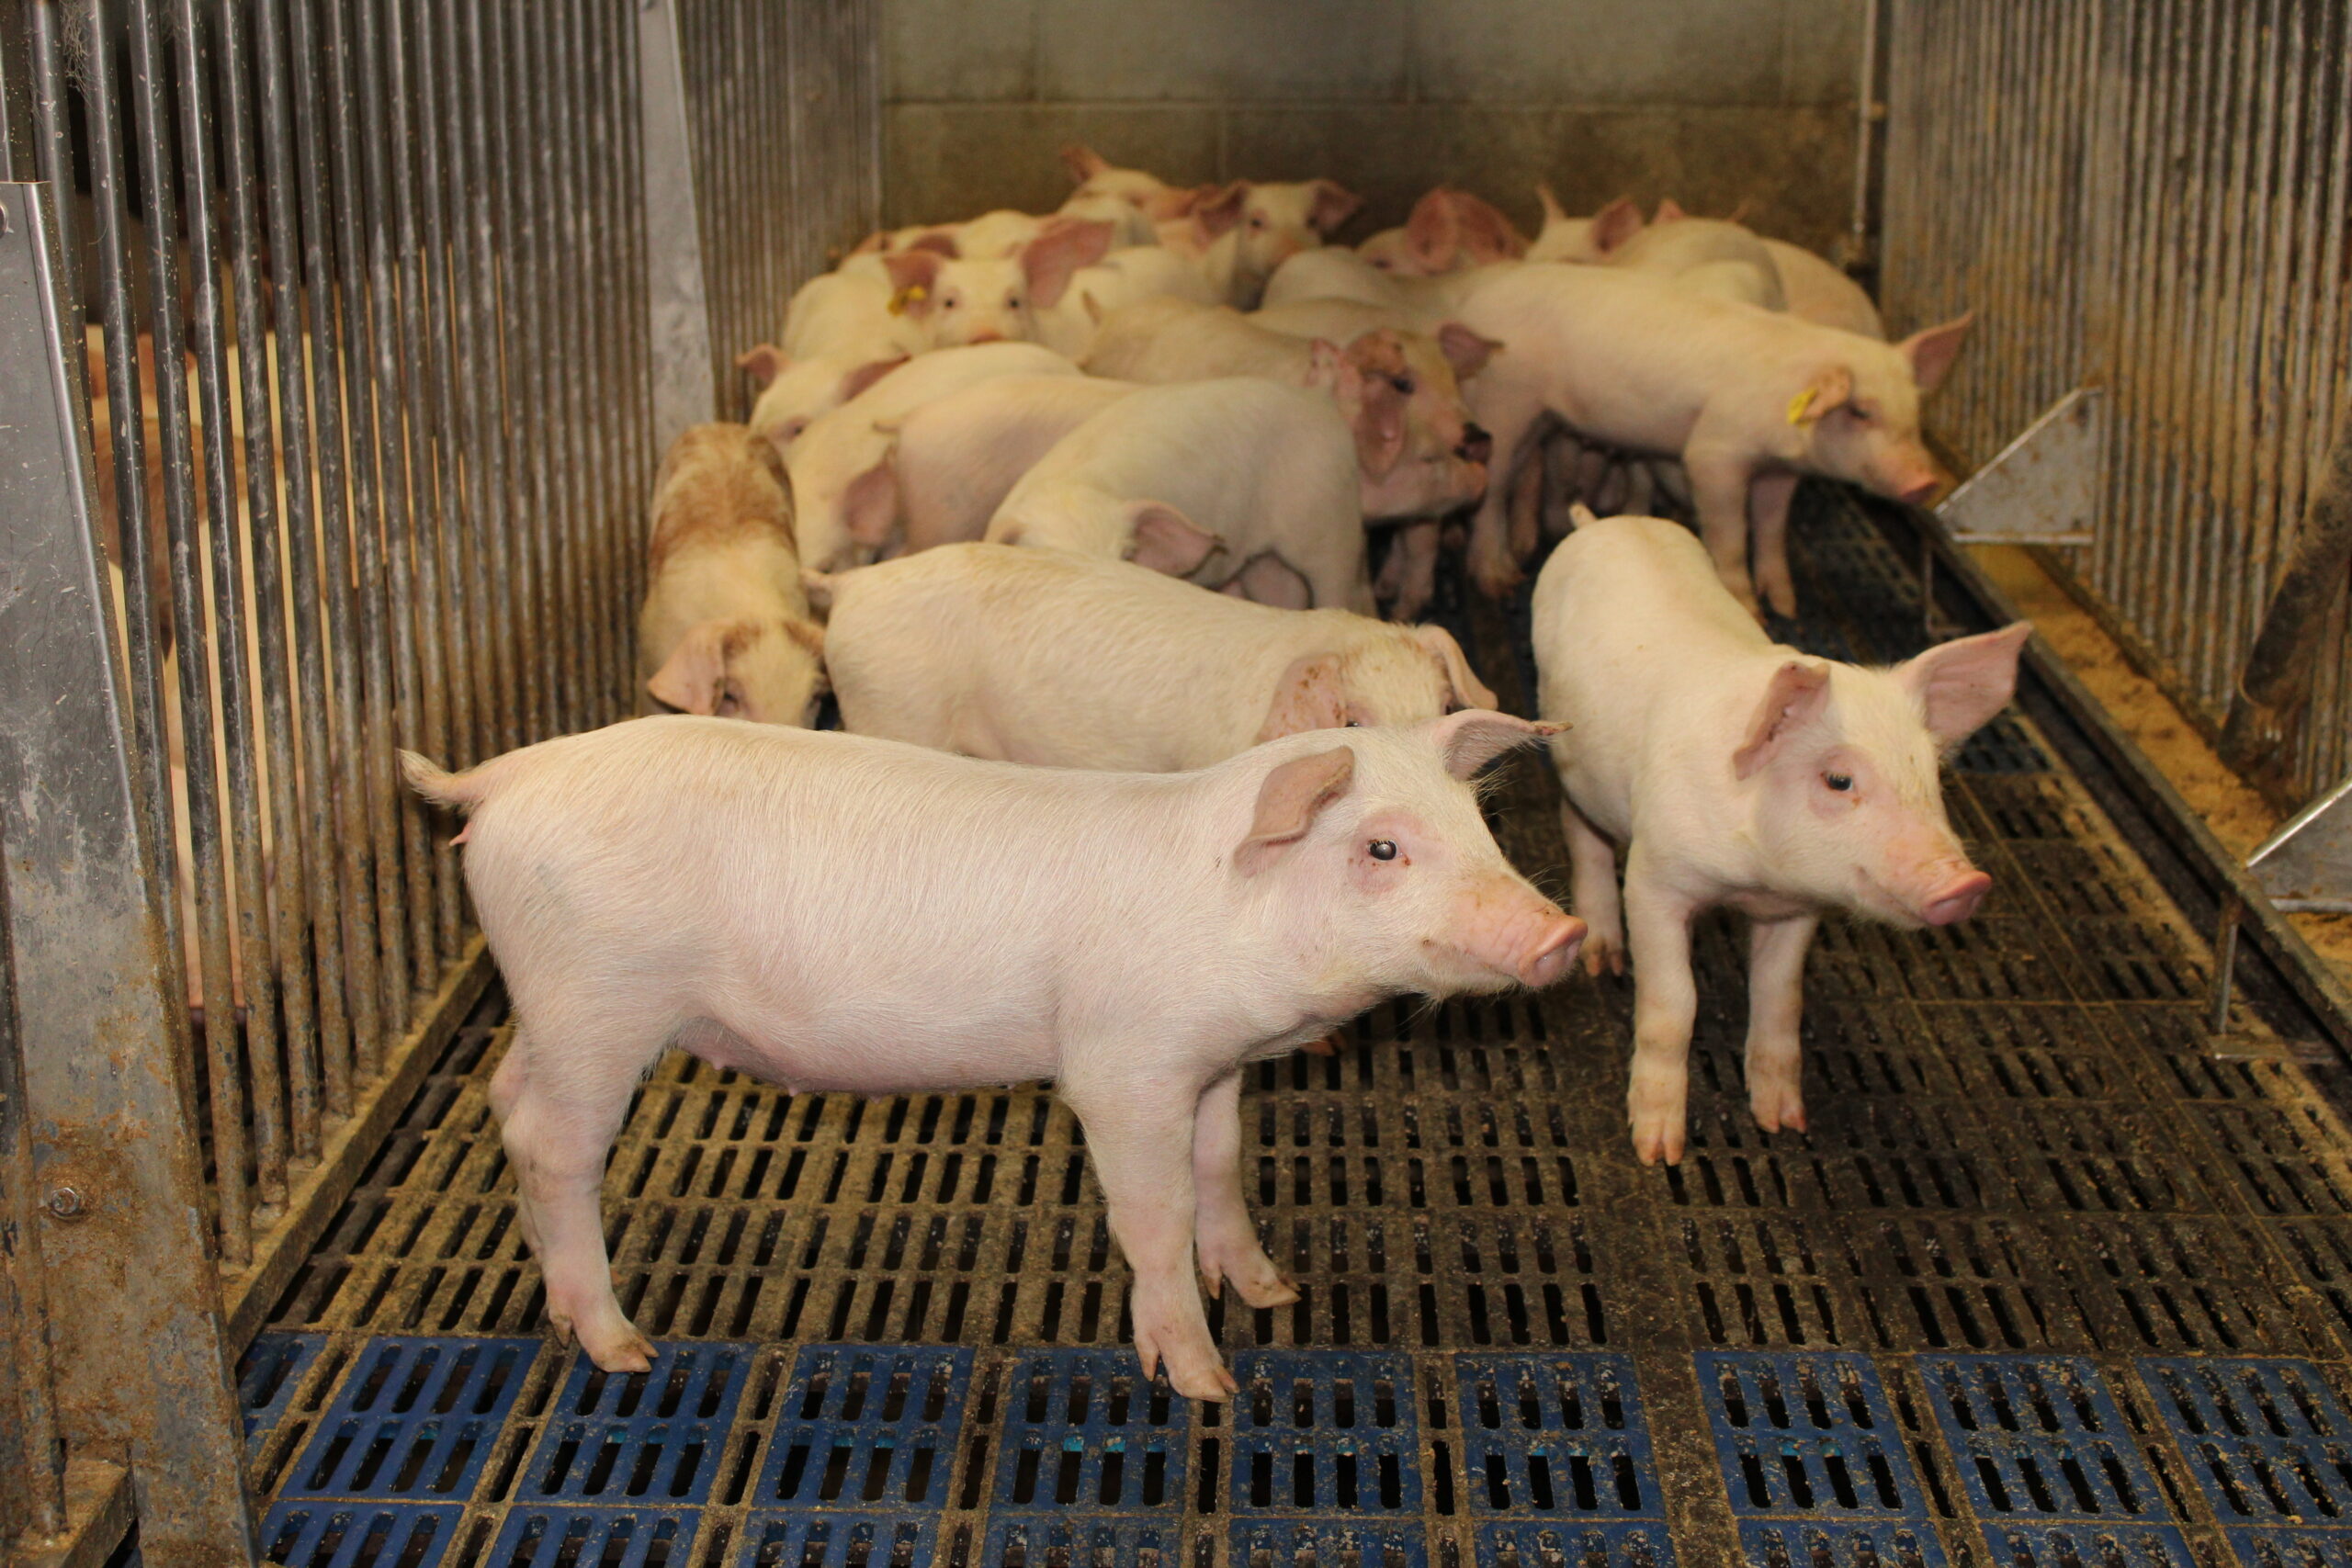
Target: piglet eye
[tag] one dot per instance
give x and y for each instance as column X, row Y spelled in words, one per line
column 1383, row 849
column 1352, row 724
column 1838, row 781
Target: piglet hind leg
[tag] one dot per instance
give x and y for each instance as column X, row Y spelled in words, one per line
column 1227, row 1241
column 1139, row 1133
column 1768, row 505
column 1666, row 1005
column 1776, row 950
column 1719, row 488
column 558, row 1127
column 1593, row 878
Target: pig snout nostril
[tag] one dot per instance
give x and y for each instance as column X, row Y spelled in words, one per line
column 1553, row 952
column 1477, row 445
column 1957, row 899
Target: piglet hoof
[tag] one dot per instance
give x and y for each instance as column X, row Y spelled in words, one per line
column 1603, row 952
column 1782, row 597
column 1197, row 1373
column 1327, row 1046
column 1778, row 1107
column 1496, row 576
column 1655, row 1109
column 610, row 1340
column 1658, row 1138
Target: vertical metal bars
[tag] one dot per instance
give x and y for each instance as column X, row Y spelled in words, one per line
column 2152, row 197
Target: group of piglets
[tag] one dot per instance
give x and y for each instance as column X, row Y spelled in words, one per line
column 1132, row 788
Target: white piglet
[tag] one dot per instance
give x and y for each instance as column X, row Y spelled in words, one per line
column 956, row 459
column 953, row 300
column 836, row 913
column 1237, row 482
column 1735, row 773
column 1033, row 656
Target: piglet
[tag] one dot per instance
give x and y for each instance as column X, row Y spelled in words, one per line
column 725, row 628
column 1033, row 656
column 1748, row 399
column 1236, row 482
column 1448, row 230
column 839, row 914
column 1101, row 180
column 1736, row 772
column 954, row 459
column 1242, row 233
column 953, row 300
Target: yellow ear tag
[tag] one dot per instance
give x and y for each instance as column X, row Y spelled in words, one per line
column 1798, row 404
column 913, row 294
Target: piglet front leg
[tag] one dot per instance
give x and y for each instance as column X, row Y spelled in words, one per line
column 1666, row 1007
column 1776, row 950
column 1227, row 1241
column 1139, row 1133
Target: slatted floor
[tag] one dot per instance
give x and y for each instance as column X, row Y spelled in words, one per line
column 2042, row 1288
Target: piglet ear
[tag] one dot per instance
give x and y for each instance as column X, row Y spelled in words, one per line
column 1367, row 380
column 1166, row 540
column 696, row 672
column 762, row 364
column 818, row 588
column 1310, row 696
column 1465, row 350
column 1288, row 803
column 1931, row 351
column 1082, row 161
column 1469, row 692
column 1334, row 205
column 1829, row 389
column 1800, row 690
column 870, row 504
column 913, row 275
column 1470, row 739
column 808, row 633
column 1962, row 684
column 1217, row 208
column 1487, row 235
column 1050, row 260
column 1431, row 232
column 939, row 241
column 1614, row 224
column 1668, row 211
column 1553, row 211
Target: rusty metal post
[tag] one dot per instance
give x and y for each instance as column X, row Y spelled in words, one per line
column 140, row 1363
column 681, row 384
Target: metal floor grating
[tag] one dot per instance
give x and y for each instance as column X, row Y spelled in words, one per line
column 2044, row 1286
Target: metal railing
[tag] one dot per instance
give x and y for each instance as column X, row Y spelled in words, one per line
column 2151, row 198
column 345, row 313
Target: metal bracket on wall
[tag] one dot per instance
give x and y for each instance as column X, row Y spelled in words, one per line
column 683, row 387
column 2041, row 489
column 2305, row 865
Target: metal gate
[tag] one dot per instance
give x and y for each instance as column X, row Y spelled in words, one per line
column 2151, row 198
column 348, row 311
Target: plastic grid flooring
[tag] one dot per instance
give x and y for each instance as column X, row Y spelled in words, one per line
column 2044, row 1286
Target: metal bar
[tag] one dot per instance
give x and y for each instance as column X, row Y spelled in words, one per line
column 678, row 300
column 338, row 793
column 224, row 1076
column 399, row 410
column 224, row 551
column 390, row 816
column 2277, row 680
column 145, row 566
column 480, row 337
column 532, row 416
column 52, row 158
column 32, row 1453
column 291, row 1102
column 140, row 1363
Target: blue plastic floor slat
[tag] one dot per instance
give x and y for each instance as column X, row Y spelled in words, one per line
column 415, row 1420
column 866, row 1427
column 809, row 1538
column 596, row 1536
column 1559, row 1433
column 1083, row 1428
column 1627, row 1543
column 2266, row 1439
column 1325, row 1432
column 2039, row 1436
column 269, row 1376
column 326, row 1533
column 1846, row 1544
column 1806, row 1433
column 1080, row 1539
column 2290, row 1548
column 646, row 1438
column 2044, row 1543
column 1327, row 1543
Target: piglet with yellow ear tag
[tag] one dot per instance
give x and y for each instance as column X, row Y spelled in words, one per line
column 1749, row 400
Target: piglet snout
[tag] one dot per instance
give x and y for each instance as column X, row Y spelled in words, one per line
column 1477, row 446
column 1918, row 492
column 988, row 335
column 1956, row 900
column 1553, row 953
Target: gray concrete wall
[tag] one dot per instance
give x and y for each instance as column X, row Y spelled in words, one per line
column 1709, row 101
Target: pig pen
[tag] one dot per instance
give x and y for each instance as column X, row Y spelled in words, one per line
column 2050, row 1281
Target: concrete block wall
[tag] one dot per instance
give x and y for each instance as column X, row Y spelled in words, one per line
column 1712, row 102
